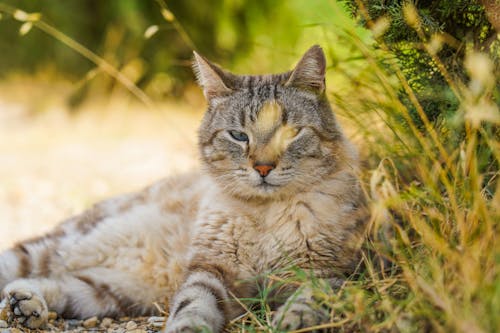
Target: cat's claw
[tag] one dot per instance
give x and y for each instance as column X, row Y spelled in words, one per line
column 28, row 308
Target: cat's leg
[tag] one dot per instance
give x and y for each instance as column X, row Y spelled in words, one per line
column 96, row 292
column 25, row 260
column 199, row 304
column 60, row 271
column 301, row 310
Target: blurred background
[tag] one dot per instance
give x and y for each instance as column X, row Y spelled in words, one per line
column 152, row 43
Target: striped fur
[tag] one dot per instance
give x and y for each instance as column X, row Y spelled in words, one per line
column 196, row 240
column 200, row 302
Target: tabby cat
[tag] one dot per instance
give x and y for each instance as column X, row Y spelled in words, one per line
column 278, row 189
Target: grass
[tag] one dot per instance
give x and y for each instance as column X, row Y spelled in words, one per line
column 431, row 260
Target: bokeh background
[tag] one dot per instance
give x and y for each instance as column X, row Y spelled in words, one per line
column 98, row 98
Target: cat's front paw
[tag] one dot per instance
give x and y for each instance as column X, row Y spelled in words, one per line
column 290, row 317
column 27, row 307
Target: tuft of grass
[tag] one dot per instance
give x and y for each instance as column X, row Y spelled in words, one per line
column 431, row 261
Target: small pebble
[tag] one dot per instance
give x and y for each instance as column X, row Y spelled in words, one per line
column 3, row 324
column 131, row 325
column 106, row 322
column 91, row 322
column 15, row 330
column 52, row 315
column 70, row 324
column 73, row 322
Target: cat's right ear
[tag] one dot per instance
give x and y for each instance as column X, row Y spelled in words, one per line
column 209, row 77
column 310, row 71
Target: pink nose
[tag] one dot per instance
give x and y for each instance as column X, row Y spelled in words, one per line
column 263, row 168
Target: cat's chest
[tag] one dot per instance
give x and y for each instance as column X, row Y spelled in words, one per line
column 263, row 238
column 283, row 236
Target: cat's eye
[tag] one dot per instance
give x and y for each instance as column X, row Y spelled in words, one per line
column 239, row 136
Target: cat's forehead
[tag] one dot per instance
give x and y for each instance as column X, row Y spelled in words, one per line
column 269, row 116
column 266, row 105
column 264, row 83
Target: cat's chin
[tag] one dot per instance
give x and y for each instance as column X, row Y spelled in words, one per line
column 267, row 191
column 267, row 188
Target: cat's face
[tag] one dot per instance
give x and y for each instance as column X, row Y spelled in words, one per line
column 268, row 136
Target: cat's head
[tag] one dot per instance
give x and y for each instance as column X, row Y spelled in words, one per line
column 268, row 136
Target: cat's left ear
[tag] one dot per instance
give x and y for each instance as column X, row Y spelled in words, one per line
column 210, row 77
column 310, row 71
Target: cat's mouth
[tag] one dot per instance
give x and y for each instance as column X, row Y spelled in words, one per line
column 267, row 185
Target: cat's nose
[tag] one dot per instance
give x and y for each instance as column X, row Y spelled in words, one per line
column 264, row 168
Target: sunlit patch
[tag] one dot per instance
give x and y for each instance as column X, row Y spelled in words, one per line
column 268, row 117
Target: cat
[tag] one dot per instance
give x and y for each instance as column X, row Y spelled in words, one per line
column 278, row 188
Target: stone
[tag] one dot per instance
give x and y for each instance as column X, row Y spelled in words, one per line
column 52, row 315
column 106, row 322
column 131, row 325
column 91, row 322
column 69, row 323
column 3, row 324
